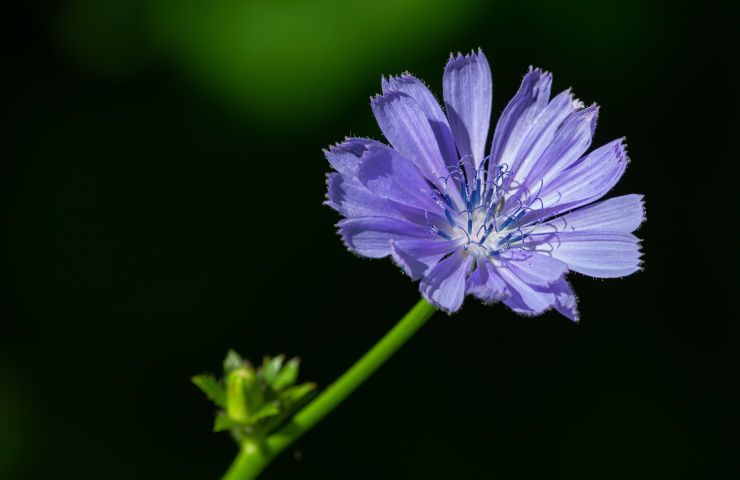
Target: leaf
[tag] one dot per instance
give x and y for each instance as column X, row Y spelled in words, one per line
column 224, row 422
column 288, row 375
column 232, row 361
column 294, row 395
column 271, row 368
column 267, row 410
column 212, row 388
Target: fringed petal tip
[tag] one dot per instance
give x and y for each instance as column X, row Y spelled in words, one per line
column 621, row 148
column 571, row 314
column 538, row 71
column 439, row 306
column 579, row 104
column 531, row 300
column 640, row 256
column 390, row 82
column 348, row 144
column 476, row 60
column 642, row 207
column 461, row 58
column 344, row 156
column 488, row 301
column 593, row 109
column 382, row 99
column 566, row 300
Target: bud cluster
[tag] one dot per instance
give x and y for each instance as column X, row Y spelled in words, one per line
column 255, row 401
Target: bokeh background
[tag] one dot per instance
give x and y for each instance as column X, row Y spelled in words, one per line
column 162, row 185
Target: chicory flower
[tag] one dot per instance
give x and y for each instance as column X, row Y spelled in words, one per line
column 504, row 223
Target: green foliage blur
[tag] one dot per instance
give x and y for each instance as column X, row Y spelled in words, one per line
column 280, row 61
column 162, row 196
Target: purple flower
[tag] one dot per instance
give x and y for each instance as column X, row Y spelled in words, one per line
column 504, row 226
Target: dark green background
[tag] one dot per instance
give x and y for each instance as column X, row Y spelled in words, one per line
column 162, row 189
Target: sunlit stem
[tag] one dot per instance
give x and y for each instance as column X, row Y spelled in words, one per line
column 253, row 457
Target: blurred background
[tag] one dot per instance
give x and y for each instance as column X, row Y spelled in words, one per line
column 147, row 233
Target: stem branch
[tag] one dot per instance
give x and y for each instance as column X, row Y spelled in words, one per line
column 252, row 458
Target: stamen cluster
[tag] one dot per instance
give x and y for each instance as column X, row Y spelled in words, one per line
column 490, row 220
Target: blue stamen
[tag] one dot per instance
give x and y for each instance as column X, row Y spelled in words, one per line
column 489, row 195
column 508, row 222
column 464, row 192
column 474, row 198
column 489, row 214
column 519, row 237
column 449, row 218
column 486, row 233
column 512, row 219
column 505, row 239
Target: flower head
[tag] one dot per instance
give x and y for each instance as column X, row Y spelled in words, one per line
column 504, row 223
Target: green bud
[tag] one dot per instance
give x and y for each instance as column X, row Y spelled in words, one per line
column 243, row 394
column 287, row 376
column 255, row 401
column 232, row 361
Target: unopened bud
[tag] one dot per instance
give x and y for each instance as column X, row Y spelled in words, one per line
column 243, row 394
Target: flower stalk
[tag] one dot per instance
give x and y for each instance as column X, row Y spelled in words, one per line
column 253, row 457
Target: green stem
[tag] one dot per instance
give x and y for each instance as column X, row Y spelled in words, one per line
column 250, row 461
column 252, row 458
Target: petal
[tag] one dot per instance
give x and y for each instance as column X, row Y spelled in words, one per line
column 620, row 215
column 372, row 236
column 389, row 175
column 523, row 298
column 535, row 268
column 406, row 127
column 523, row 154
column 415, row 89
column 533, row 300
column 570, row 142
column 589, row 179
column 345, row 156
column 349, row 197
column 566, row 302
column 444, row 284
column 519, row 115
column 598, row 254
column 485, row 283
column 416, row 256
column 468, row 93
